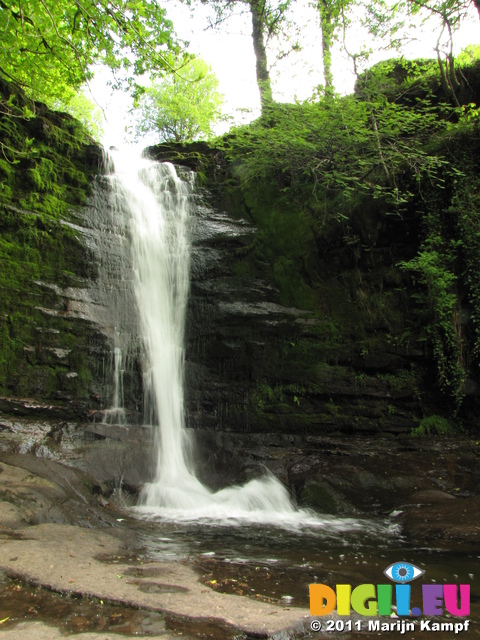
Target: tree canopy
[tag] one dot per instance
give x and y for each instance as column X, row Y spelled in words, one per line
column 182, row 107
column 49, row 47
column 83, row 109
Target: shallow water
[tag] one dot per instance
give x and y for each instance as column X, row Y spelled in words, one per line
column 267, row 563
column 277, row 564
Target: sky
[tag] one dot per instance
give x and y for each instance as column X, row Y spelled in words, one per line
column 229, row 51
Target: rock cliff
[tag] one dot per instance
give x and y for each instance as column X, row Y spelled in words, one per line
column 299, row 329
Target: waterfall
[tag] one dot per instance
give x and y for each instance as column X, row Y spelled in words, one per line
column 116, row 413
column 159, row 205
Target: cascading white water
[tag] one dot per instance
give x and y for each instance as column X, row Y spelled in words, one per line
column 116, row 413
column 159, row 203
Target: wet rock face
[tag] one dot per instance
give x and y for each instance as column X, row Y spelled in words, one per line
column 286, row 332
column 53, row 346
column 313, row 343
column 62, row 357
column 301, row 330
column 255, row 364
column 233, row 325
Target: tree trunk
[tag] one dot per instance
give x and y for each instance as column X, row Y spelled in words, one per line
column 327, row 34
column 257, row 8
column 477, row 4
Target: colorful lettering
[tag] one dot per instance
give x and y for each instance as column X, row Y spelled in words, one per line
column 432, row 599
column 384, row 597
column 343, row 599
column 360, row 596
column 402, row 597
column 371, row 600
column 450, row 594
column 322, row 599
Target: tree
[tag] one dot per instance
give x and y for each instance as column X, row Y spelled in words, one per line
column 327, row 28
column 447, row 9
column 332, row 14
column 259, row 24
column 50, row 46
column 184, row 106
column 269, row 20
column 83, row 109
column 384, row 18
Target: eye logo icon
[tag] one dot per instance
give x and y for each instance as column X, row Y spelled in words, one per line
column 403, row 572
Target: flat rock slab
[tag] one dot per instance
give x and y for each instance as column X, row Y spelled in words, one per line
column 67, row 559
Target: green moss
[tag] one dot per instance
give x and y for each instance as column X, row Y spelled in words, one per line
column 45, row 173
column 43, row 165
column 433, row 426
column 264, row 395
column 403, row 379
column 318, row 497
column 282, row 245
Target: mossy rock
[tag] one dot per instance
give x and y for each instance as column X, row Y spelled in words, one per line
column 47, row 169
column 322, row 498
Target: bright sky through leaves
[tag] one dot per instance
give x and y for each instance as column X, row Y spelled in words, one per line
column 229, row 51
